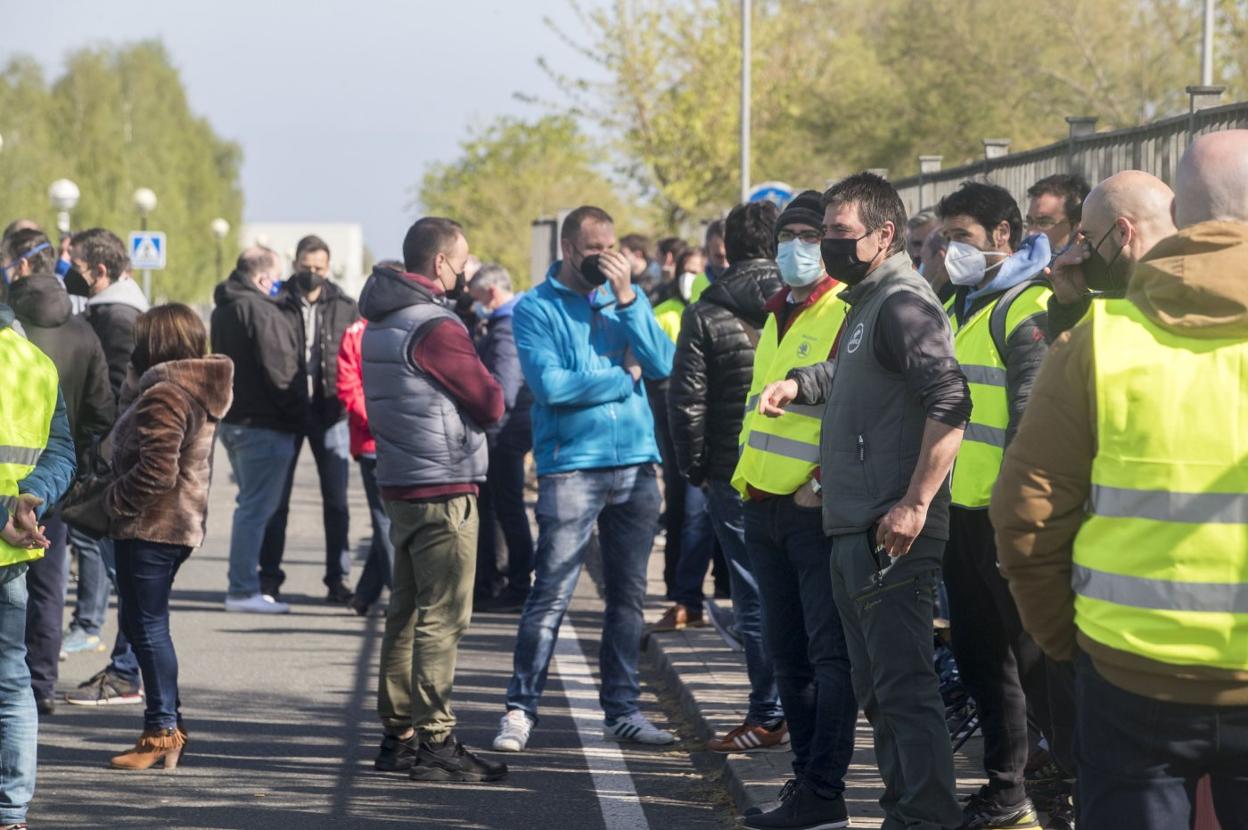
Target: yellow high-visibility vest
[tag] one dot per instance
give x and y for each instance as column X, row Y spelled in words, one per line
column 983, row 445
column 1161, row 562
column 778, row 455
column 26, row 408
column 670, row 311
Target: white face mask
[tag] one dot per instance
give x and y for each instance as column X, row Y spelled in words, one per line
column 685, row 284
column 967, row 264
column 799, row 262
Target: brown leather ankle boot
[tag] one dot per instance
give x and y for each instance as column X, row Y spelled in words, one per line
column 154, row 745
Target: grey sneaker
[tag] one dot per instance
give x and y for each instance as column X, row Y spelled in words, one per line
column 105, row 689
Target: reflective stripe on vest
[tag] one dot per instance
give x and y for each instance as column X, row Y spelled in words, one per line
column 25, row 422
column 983, row 444
column 778, row 455
column 1161, row 562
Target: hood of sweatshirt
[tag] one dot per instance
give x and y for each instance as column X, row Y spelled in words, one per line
column 388, row 290
column 1193, row 282
column 209, row 380
column 124, row 291
column 1030, row 260
column 41, row 300
column 744, row 289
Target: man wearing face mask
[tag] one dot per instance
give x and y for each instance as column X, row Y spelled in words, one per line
column 777, row 476
column 892, row 424
column 999, row 322
column 259, row 431
column 706, row 402
column 586, row 339
column 1123, row 218
column 429, row 400
column 321, row 314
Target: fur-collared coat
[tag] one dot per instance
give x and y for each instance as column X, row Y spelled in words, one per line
column 162, row 450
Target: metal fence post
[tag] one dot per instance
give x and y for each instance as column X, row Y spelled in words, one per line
column 927, row 166
column 1080, row 126
column 1202, row 98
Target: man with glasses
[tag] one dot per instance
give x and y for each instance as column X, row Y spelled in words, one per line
column 586, row 339
column 1055, row 208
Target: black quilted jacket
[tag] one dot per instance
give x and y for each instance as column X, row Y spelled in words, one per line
column 713, row 367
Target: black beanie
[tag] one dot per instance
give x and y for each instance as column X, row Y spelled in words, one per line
column 806, row 208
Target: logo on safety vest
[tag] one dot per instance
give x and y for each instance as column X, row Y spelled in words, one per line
column 855, row 340
column 803, row 349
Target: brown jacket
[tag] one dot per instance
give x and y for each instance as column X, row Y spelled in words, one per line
column 1192, row 283
column 162, row 450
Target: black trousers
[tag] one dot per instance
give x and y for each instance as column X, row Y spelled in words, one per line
column 45, row 609
column 997, row 659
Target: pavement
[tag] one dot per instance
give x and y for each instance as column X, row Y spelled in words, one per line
column 283, row 731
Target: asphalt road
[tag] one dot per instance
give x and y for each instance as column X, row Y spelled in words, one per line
column 281, row 714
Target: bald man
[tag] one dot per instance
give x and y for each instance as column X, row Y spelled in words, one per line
column 1139, row 580
column 1123, row 218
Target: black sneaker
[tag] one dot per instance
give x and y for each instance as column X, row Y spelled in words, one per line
column 45, row 705
column 451, row 761
column 786, row 792
column 804, row 809
column 508, row 602
column 105, row 689
column 396, row 755
column 339, row 594
column 1061, row 814
column 982, row 812
column 272, row 586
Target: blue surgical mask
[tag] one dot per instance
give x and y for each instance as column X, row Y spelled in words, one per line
column 800, row 263
column 481, row 311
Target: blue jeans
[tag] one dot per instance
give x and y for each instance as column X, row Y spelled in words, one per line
column 122, row 662
column 94, row 582
column 624, row 501
column 697, row 546
column 1139, row 758
column 261, row 459
column 331, row 448
column 502, row 500
column 728, row 518
column 145, row 572
column 790, row 555
column 19, row 722
column 379, row 567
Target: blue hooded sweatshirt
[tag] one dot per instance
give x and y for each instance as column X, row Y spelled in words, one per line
column 587, row 412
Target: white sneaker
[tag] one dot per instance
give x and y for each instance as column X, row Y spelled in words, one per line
column 513, row 731
column 256, row 604
column 635, row 727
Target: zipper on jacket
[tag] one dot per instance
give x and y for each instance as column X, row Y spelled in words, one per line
column 862, row 450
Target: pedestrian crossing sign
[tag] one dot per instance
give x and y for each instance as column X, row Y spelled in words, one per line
column 147, row 250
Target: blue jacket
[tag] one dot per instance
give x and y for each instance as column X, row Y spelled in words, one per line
column 587, row 412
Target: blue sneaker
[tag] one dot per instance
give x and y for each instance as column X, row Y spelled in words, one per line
column 78, row 640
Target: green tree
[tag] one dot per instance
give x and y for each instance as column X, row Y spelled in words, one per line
column 118, row 119
column 512, row 172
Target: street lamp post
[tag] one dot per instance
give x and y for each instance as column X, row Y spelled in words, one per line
column 745, row 100
column 145, row 203
column 63, row 196
column 220, row 229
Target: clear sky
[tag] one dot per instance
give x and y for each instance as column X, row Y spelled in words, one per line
column 338, row 104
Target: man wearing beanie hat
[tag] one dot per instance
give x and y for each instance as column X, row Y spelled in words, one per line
column 777, row 476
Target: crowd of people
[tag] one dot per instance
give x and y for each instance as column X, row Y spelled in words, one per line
column 869, row 427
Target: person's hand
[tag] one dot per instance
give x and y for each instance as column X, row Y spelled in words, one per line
column 1066, row 273
column 616, row 268
column 807, row 497
column 25, row 517
column 776, row 397
column 635, row 371
column 900, row 527
column 23, row 539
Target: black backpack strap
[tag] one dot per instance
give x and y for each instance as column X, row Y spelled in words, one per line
column 1000, row 314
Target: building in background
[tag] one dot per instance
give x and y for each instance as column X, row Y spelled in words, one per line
column 345, row 241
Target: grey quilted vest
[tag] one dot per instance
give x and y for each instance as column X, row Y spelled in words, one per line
column 422, row 437
column 873, row 425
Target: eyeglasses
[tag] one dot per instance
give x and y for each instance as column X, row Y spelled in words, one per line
column 809, row 237
column 1042, row 222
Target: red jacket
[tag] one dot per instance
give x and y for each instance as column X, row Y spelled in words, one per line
column 351, row 390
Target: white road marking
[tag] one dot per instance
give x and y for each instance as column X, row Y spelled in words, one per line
column 613, row 784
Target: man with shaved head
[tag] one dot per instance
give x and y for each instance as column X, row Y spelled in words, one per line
column 260, row 430
column 1123, row 218
column 1121, row 510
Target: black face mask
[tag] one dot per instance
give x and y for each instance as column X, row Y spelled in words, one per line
column 1102, row 275
column 591, row 270
column 457, row 292
column 308, row 281
column 840, row 259
column 76, row 284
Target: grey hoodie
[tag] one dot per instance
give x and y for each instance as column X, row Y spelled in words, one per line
column 112, row 313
